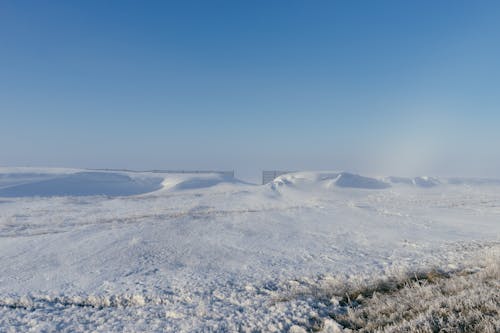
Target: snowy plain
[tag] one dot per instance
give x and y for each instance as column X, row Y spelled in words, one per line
column 105, row 251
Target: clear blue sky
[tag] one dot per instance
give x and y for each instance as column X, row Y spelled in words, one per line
column 384, row 87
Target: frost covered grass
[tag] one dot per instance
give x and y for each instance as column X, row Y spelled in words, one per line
column 463, row 300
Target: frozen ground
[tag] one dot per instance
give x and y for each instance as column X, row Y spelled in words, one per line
column 128, row 252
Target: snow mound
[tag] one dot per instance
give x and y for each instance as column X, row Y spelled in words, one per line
column 426, row 181
column 82, row 183
column 429, row 182
column 329, row 180
column 183, row 182
column 423, row 181
column 305, row 180
column 356, row 181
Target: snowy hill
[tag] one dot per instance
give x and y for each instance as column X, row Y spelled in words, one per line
column 32, row 182
column 76, row 184
column 329, row 179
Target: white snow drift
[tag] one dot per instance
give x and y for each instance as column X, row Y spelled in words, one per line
column 81, row 183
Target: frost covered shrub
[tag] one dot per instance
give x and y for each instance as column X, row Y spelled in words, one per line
column 462, row 302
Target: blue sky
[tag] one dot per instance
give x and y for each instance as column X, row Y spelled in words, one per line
column 378, row 87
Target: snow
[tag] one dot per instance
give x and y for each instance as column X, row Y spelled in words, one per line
column 121, row 251
column 327, row 179
column 176, row 182
column 77, row 184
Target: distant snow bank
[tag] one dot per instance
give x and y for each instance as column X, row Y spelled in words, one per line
column 181, row 182
column 305, row 180
column 81, row 183
column 49, row 182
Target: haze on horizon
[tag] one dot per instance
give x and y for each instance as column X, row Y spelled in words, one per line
column 386, row 87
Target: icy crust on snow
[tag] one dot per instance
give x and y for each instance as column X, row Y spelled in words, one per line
column 227, row 256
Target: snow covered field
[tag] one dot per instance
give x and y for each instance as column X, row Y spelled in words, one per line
column 107, row 251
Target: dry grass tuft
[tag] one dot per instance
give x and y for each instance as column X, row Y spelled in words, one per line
column 431, row 302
